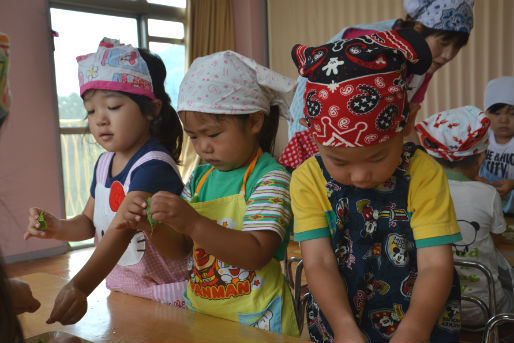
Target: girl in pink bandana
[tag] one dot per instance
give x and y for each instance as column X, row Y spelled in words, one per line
column 129, row 115
column 373, row 215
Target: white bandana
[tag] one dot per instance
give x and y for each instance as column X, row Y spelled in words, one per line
column 229, row 83
column 455, row 134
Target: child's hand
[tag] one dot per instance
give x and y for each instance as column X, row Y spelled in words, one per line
column 503, row 186
column 133, row 215
column 172, row 210
column 69, row 307
column 22, row 298
column 37, row 220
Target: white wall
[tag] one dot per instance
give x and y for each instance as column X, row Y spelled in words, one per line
column 30, row 166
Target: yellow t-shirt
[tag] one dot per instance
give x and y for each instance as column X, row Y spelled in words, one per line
column 429, row 202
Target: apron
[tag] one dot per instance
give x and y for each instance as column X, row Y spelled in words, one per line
column 375, row 250
column 141, row 270
column 251, row 297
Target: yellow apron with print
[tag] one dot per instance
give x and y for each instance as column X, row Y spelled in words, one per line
column 259, row 298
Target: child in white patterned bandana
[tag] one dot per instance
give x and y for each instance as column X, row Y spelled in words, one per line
column 458, row 139
column 129, row 114
column 236, row 208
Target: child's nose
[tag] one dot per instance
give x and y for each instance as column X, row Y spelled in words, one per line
column 360, row 177
column 206, row 146
column 449, row 52
column 101, row 119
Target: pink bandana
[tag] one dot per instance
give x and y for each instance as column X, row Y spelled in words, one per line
column 455, row 134
column 356, row 93
column 116, row 67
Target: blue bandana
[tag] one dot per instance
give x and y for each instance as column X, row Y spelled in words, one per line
column 449, row 15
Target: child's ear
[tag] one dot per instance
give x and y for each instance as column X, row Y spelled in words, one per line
column 157, row 105
column 256, row 120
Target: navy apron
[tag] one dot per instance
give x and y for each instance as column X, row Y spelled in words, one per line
column 376, row 254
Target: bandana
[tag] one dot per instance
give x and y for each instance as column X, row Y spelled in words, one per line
column 449, row 15
column 5, row 96
column 455, row 134
column 116, row 67
column 356, row 93
column 229, row 83
column 499, row 91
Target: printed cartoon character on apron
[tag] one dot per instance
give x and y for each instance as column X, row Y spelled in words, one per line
column 141, row 270
column 252, row 297
column 375, row 230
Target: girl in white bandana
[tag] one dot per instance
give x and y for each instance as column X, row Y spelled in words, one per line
column 236, row 208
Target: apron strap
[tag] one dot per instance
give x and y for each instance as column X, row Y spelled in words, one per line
column 248, row 172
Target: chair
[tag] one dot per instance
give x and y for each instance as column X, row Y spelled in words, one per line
column 300, row 292
column 488, row 310
column 493, row 322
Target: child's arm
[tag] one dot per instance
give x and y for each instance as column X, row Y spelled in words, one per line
column 248, row 249
column 167, row 241
column 71, row 302
column 77, row 228
column 429, row 296
column 329, row 290
column 503, row 186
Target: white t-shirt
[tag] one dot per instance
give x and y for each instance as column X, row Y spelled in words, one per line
column 499, row 158
column 479, row 213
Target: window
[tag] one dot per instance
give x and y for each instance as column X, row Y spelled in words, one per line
column 79, row 26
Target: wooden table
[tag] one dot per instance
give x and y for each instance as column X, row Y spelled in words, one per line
column 117, row 317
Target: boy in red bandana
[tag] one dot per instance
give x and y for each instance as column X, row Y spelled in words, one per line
column 374, row 215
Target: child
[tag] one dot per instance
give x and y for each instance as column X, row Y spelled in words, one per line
column 373, row 216
column 236, row 208
column 445, row 35
column 498, row 165
column 457, row 139
column 130, row 116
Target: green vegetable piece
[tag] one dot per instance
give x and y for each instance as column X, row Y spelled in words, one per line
column 149, row 216
column 41, row 219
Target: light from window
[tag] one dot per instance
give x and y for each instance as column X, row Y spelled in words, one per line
column 174, row 58
column 75, row 40
column 164, row 28
column 80, row 151
column 173, row 3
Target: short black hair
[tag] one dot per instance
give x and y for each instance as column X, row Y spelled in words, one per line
column 496, row 107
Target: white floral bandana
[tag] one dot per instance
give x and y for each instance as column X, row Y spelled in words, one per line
column 455, row 134
column 229, row 83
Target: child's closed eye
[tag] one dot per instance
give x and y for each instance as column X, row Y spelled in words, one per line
column 214, row 135
column 114, row 108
